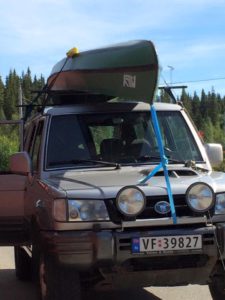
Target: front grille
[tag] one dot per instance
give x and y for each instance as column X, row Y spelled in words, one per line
column 181, row 207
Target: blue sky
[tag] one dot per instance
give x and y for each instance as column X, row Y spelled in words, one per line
column 189, row 35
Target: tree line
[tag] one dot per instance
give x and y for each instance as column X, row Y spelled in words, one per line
column 9, row 110
column 207, row 110
column 9, row 92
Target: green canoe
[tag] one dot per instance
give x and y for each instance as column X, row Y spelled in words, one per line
column 128, row 71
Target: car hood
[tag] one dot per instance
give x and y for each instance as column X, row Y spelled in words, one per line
column 105, row 183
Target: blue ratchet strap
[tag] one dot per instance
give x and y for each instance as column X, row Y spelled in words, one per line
column 162, row 164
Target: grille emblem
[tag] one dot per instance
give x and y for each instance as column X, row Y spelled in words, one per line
column 162, row 207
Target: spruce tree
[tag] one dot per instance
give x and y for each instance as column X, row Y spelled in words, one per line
column 26, row 84
column 11, row 95
column 208, row 130
column 196, row 114
column 186, row 100
column 213, row 107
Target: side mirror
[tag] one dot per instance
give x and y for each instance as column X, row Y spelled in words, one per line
column 20, row 163
column 215, row 154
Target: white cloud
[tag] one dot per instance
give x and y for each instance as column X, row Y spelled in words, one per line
column 40, row 23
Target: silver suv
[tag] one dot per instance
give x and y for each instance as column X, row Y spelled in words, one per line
column 74, row 205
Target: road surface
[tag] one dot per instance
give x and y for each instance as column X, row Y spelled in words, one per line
column 11, row 288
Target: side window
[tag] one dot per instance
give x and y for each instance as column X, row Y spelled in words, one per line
column 66, row 141
column 177, row 137
column 35, row 148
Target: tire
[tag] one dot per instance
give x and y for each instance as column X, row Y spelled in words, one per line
column 22, row 264
column 57, row 282
column 217, row 286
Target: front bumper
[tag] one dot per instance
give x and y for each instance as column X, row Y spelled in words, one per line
column 110, row 251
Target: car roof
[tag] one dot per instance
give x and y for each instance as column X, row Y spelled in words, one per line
column 109, row 107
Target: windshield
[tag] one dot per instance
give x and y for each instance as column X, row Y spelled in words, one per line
column 124, row 138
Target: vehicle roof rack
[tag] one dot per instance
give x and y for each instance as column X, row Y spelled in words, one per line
column 67, row 97
column 168, row 89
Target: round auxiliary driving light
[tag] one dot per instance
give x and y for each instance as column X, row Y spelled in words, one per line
column 200, row 197
column 130, row 201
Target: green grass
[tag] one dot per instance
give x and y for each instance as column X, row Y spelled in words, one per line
column 8, row 146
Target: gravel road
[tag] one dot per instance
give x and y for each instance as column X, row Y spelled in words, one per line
column 11, row 288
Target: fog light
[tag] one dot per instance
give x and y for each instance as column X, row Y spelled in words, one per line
column 200, row 197
column 130, row 201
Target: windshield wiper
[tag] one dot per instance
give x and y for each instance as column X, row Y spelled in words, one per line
column 178, row 161
column 101, row 162
column 77, row 161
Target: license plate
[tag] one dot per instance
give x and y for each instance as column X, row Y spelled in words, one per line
column 166, row 243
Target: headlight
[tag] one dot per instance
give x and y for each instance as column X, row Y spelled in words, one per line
column 220, row 204
column 130, row 201
column 87, row 210
column 200, row 197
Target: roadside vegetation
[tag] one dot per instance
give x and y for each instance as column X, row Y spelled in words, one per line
column 9, row 95
column 8, row 146
column 206, row 110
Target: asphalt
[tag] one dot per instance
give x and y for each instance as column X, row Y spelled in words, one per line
column 12, row 289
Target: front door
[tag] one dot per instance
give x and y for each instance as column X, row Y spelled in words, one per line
column 12, row 187
column 12, row 226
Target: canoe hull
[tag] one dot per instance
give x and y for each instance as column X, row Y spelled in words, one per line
column 129, row 71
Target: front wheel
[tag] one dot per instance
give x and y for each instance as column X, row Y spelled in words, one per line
column 22, row 264
column 217, row 285
column 57, row 282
